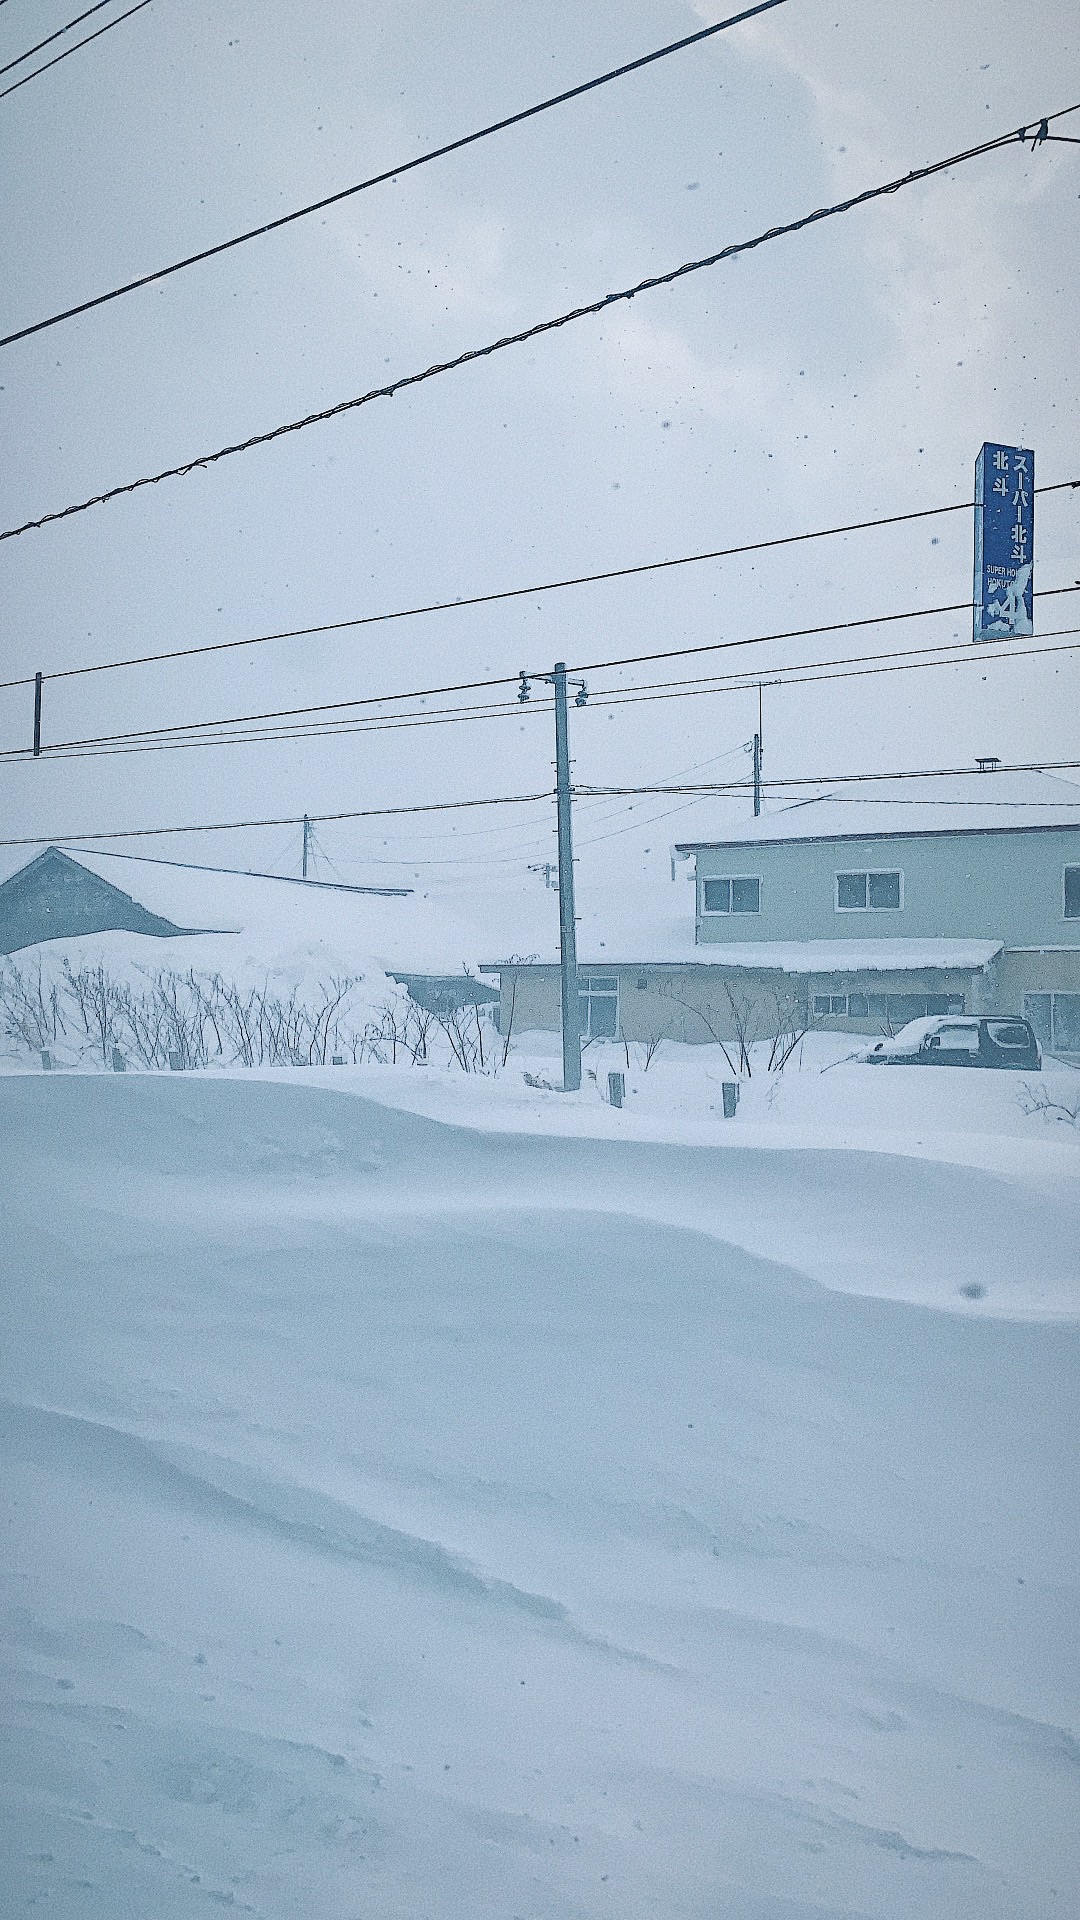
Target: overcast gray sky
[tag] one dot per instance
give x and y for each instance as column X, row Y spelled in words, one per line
column 851, row 370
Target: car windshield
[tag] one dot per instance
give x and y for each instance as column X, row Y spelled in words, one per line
column 914, row 1033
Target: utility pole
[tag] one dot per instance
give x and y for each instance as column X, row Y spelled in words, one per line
column 757, row 759
column 307, row 841
column 37, row 715
column 571, row 1005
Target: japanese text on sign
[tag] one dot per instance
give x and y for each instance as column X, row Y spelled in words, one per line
column 1004, row 539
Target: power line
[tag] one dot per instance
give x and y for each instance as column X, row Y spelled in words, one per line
column 529, row 799
column 518, row 593
column 533, row 332
column 904, row 800
column 55, row 61
column 60, row 31
column 283, row 820
column 793, row 633
column 388, row 173
column 247, row 873
column 746, row 683
column 506, row 710
column 864, row 779
column 167, row 735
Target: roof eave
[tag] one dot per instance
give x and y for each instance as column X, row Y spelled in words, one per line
column 872, row 833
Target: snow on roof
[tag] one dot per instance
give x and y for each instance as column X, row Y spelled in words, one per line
column 954, row 803
column 791, row 956
column 439, row 928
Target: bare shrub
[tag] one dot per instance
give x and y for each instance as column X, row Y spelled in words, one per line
column 167, row 1020
column 390, row 1034
column 249, row 1025
column 97, row 1001
column 31, row 1011
column 418, row 1024
column 188, row 1019
column 1039, row 1100
column 510, row 1021
column 775, row 1015
column 464, row 1047
column 650, row 1049
column 708, row 1017
column 790, row 1023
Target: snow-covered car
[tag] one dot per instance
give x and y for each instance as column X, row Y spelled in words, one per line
column 1001, row 1040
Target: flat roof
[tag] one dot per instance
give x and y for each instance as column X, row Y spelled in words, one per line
column 874, row 833
column 904, row 809
column 790, row 957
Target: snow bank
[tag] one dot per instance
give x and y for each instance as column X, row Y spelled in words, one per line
column 412, row 1520
column 214, row 1001
column 824, row 1100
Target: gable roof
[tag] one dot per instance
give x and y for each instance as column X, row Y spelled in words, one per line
column 54, row 897
column 438, row 928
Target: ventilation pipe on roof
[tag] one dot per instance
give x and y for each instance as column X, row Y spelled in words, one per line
column 989, row 763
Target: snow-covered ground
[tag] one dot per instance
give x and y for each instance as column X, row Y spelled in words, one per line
column 824, row 1098
column 566, row 1513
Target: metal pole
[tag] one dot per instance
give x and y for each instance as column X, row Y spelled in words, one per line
column 37, row 714
column 757, row 774
column 307, row 835
column 571, row 1009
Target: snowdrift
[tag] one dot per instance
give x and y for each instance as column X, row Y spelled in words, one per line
column 411, row 1520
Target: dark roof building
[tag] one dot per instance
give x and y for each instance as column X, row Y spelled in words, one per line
column 54, row 898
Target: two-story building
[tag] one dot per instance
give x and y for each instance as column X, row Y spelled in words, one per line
column 855, row 911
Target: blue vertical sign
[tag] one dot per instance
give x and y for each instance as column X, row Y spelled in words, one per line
column 1004, row 537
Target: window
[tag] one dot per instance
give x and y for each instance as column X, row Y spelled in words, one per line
column 1072, row 893
column 963, row 1039
column 742, row 894
column 865, row 892
column 891, row 1009
column 1038, row 1012
column 1007, row 1034
column 598, row 995
column 904, row 1007
column 1055, row 1019
column 1067, row 1022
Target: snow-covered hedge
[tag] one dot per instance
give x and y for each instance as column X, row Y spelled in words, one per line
column 83, row 1009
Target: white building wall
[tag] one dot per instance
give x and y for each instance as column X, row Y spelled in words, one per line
column 970, row 886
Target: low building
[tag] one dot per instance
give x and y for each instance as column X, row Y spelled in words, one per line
column 853, row 914
column 55, row 897
column 446, row 993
